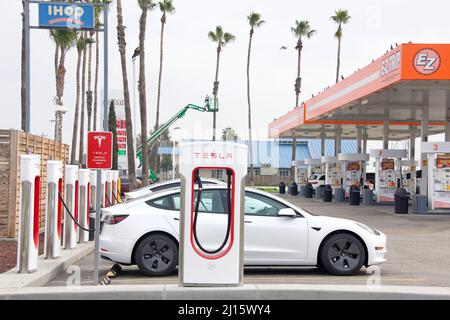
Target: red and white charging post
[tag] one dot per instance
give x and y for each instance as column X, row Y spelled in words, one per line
column 83, row 220
column 72, row 201
column 99, row 157
column 30, row 200
column 53, row 218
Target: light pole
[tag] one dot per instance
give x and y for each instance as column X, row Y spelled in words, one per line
column 175, row 138
column 135, row 55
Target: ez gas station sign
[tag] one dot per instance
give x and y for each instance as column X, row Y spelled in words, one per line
column 64, row 15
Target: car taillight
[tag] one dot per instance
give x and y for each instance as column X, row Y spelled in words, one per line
column 314, row 182
column 115, row 219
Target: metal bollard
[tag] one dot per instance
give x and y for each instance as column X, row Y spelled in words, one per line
column 71, row 200
column 53, row 213
column 30, row 197
column 84, row 177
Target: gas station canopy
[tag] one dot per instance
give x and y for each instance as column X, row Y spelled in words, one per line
column 386, row 99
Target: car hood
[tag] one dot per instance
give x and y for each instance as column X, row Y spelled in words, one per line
column 319, row 221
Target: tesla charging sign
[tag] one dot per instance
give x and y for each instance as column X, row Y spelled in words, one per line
column 99, row 154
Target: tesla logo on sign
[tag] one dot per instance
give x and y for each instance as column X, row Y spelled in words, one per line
column 99, row 153
column 427, row 61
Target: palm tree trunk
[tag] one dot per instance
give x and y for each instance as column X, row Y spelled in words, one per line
column 252, row 179
column 83, row 107
column 216, row 86
column 97, row 64
column 297, row 101
column 143, row 98
column 161, row 58
column 59, row 95
column 73, row 152
column 126, row 93
column 89, row 86
column 338, row 68
column 23, row 76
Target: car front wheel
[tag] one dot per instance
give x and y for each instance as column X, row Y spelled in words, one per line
column 342, row 254
column 157, row 255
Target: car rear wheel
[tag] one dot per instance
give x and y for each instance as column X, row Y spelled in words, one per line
column 157, row 255
column 342, row 254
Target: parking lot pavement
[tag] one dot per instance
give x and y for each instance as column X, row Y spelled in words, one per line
column 418, row 253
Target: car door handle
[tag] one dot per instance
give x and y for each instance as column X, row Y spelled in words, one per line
column 248, row 221
column 176, row 219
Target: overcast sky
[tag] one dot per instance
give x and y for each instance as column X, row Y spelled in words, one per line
column 190, row 56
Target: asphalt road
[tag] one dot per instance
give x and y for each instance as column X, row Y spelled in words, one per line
column 418, row 253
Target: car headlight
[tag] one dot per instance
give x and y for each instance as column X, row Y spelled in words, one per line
column 368, row 229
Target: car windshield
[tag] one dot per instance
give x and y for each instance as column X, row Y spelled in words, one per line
column 313, row 177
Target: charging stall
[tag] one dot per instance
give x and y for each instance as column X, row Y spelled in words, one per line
column 53, row 214
column 72, row 202
column 333, row 172
column 85, row 192
column 353, row 170
column 409, row 179
column 30, row 198
column 301, row 173
column 438, row 158
column 388, row 173
column 211, row 253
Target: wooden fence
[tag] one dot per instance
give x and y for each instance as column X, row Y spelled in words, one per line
column 14, row 143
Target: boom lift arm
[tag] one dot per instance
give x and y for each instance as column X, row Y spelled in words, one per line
column 180, row 114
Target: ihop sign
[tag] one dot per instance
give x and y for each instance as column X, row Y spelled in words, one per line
column 65, row 15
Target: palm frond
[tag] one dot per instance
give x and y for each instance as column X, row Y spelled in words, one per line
column 166, row 6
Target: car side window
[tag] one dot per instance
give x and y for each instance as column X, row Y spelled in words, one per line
column 161, row 203
column 211, row 202
column 259, row 205
column 176, row 200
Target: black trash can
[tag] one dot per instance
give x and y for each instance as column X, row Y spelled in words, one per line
column 282, row 187
column 293, row 189
column 309, row 191
column 401, row 201
column 327, row 193
column 355, row 194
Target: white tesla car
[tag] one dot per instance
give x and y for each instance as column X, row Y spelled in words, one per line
column 146, row 232
column 156, row 187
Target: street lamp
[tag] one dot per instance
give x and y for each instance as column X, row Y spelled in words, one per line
column 175, row 138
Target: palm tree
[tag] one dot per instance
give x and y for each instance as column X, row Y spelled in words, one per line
column 255, row 21
column 222, row 39
column 81, row 44
column 83, row 99
column 145, row 6
column 126, row 93
column 166, row 7
column 300, row 30
column 64, row 39
column 340, row 17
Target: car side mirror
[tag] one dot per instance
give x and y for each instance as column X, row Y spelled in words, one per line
column 287, row 212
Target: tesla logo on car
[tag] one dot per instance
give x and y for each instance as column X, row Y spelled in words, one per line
column 427, row 61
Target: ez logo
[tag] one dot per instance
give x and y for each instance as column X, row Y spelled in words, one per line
column 427, row 61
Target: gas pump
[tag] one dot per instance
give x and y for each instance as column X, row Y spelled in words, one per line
column 315, row 167
column 84, row 179
column 333, row 172
column 353, row 170
column 409, row 175
column 438, row 155
column 30, row 198
column 388, row 173
column 72, row 203
column 301, row 172
column 212, row 254
column 53, row 214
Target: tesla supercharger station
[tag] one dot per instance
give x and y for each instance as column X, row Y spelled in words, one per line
column 93, row 183
column 54, row 209
column 301, row 172
column 84, row 210
column 353, row 170
column 388, row 173
column 333, row 172
column 438, row 157
column 30, row 198
column 218, row 262
column 114, row 186
column 72, row 202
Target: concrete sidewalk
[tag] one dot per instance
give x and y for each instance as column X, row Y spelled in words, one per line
column 47, row 269
column 247, row 292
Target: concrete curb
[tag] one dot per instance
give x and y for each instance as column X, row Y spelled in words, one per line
column 47, row 270
column 247, row 292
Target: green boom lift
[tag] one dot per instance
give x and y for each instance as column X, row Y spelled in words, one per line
column 180, row 114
